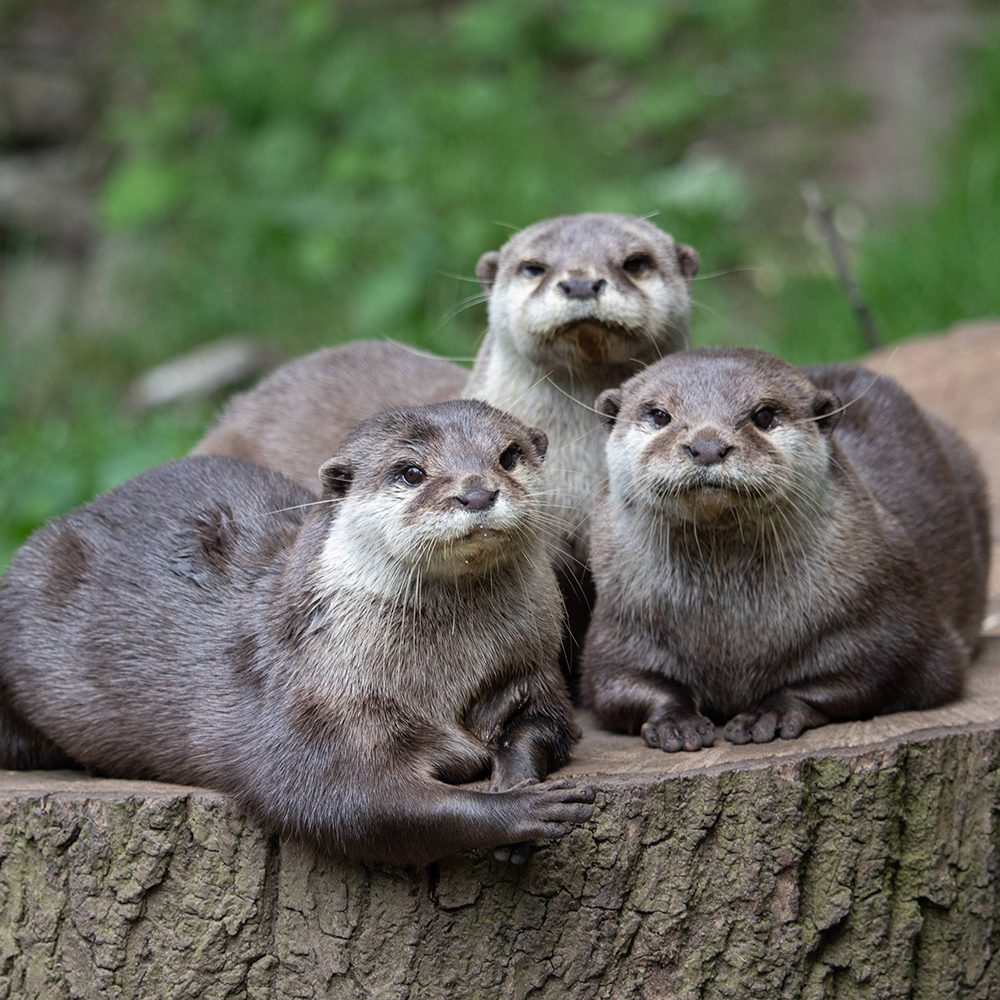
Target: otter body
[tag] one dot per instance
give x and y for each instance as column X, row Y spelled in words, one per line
column 297, row 417
column 337, row 666
column 756, row 567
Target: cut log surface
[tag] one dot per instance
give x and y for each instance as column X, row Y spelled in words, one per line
column 860, row 860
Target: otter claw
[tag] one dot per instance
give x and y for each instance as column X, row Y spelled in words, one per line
column 554, row 808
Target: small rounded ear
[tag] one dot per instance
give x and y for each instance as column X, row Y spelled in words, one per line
column 688, row 260
column 826, row 410
column 486, row 269
column 540, row 440
column 608, row 404
column 335, row 476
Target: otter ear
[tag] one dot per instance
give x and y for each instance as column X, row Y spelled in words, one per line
column 486, row 269
column 335, row 476
column 826, row 410
column 688, row 260
column 608, row 404
column 540, row 440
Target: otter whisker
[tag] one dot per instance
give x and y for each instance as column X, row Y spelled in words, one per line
column 467, row 303
column 578, row 402
column 459, row 277
column 327, row 502
column 512, row 406
column 418, row 352
column 713, row 312
column 744, row 269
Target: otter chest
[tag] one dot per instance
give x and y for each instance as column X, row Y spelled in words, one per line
column 733, row 633
column 575, row 465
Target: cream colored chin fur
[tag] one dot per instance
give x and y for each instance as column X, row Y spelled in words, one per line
column 370, row 548
column 561, row 402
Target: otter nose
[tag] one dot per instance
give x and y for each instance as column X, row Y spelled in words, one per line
column 708, row 452
column 582, row 288
column 478, row 499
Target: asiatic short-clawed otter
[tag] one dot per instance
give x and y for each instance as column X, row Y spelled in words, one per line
column 759, row 563
column 339, row 666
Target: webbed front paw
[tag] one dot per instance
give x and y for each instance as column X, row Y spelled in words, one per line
column 681, row 729
column 785, row 717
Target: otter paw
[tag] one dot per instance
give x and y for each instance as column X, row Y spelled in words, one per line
column 552, row 809
column 679, row 730
column 763, row 724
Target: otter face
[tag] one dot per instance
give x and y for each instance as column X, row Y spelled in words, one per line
column 580, row 291
column 712, row 435
column 444, row 490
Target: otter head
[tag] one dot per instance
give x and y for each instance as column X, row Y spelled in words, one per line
column 446, row 490
column 580, row 292
column 721, row 437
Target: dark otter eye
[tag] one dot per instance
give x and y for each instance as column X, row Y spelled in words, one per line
column 510, row 457
column 531, row 269
column 413, row 475
column 638, row 264
column 764, row 417
column 658, row 418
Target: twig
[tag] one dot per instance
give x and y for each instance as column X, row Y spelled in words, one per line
column 817, row 205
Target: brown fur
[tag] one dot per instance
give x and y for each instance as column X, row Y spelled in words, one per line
column 299, row 416
column 778, row 577
column 340, row 684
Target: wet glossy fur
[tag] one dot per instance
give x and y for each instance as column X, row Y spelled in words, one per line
column 847, row 580
column 335, row 669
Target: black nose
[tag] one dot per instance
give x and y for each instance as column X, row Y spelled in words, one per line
column 708, row 452
column 582, row 288
column 478, row 499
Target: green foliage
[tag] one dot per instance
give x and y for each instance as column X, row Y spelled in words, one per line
column 939, row 263
column 313, row 173
column 933, row 264
column 64, row 437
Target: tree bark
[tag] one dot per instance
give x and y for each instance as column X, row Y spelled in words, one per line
column 858, row 861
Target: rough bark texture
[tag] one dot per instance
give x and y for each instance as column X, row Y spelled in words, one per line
column 860, row 861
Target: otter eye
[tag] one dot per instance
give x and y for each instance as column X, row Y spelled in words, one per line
column 764, row 417
column 658, row 418
column 413, row 475
column 638, row 264
column 510, row 457
column 531, row 269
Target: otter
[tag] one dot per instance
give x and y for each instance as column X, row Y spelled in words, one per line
column 339, row 666
column 776, row 549
column 577, row 304
column 300, row 414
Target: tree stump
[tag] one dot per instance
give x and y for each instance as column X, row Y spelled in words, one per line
column 859, row 861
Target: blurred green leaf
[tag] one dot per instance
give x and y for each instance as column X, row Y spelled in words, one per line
column 141, row 192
